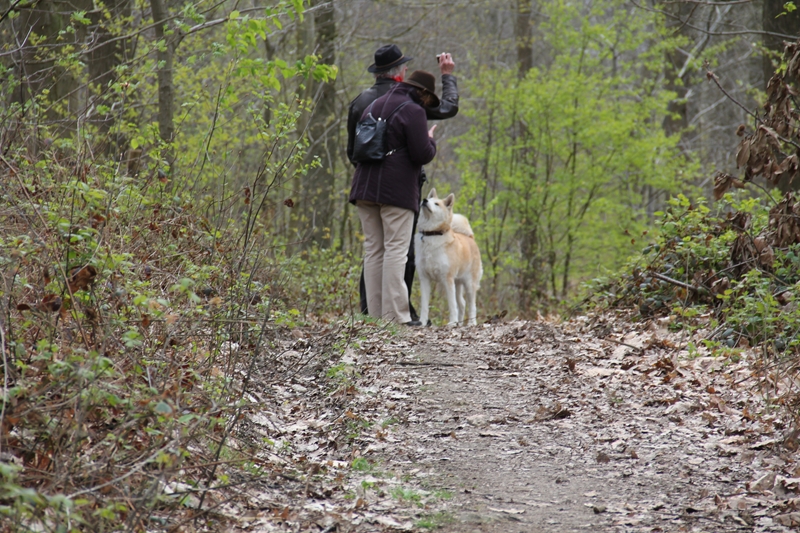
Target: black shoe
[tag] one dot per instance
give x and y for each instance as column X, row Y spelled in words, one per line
column 413, row 323
column 429, row 324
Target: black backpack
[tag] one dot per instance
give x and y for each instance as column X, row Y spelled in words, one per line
column 369, row 145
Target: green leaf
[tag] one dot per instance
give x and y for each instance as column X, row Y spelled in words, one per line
column 80, row 17
column 163, row 408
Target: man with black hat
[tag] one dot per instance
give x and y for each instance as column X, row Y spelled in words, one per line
column 389, row 68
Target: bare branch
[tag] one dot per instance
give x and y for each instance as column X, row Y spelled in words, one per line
column 675, row 282
column 714, row 33
column 713, row 77
column 704, row 3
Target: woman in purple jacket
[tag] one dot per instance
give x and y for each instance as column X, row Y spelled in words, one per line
column 387, row 193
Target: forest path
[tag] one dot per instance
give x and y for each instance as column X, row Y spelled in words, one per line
column 598, row 424
column 528, row 427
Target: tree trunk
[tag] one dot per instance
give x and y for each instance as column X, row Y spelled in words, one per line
column 164, row 56
column 675, row 75
column 319, row 184
column 106, row 54
column 36, row 65
column 523, row 37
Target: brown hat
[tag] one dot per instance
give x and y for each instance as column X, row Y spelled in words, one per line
column 387, row 57
column 424, row 80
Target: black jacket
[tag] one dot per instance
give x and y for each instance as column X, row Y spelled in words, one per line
column 448, row 105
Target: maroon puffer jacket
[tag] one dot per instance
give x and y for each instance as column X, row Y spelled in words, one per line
column 395, row 180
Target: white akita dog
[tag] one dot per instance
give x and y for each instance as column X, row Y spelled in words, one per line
column 446, row 252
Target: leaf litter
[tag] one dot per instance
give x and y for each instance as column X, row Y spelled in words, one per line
column 593, row 425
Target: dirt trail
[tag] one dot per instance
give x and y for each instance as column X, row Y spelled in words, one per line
column 532, row 428
column 517, row 427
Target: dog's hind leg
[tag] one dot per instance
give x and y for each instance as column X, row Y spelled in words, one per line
column 473, row 310
column 452, row 300
column 461, row 302
column 425, row 298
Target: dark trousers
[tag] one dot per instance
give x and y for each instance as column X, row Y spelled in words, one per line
column 411, row 267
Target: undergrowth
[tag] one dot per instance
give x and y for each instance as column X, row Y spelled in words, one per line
column 119, row 304
column 723, row 269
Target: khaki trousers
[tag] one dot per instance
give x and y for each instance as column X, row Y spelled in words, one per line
column 387, row 231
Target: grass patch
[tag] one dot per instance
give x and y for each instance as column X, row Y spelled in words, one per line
column 435, row 520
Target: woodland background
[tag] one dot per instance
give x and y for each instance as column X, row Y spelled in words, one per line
column 578, row 121
column 174, row 213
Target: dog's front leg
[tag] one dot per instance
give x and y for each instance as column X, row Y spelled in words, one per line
column 425, row 298
column 452, row 301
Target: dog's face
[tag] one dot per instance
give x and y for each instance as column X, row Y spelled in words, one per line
column 435, row 213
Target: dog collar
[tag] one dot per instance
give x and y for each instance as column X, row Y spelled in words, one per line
column 431, row 233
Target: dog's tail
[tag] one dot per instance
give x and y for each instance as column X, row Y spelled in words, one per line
column 460, row 224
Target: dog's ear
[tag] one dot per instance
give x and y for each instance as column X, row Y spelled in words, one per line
column 449, row 201
column 432, row 194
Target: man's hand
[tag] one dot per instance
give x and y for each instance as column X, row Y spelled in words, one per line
column 446, row 64
column 430, row 131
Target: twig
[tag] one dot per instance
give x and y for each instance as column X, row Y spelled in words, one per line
column 9, row 10
column 424, row 363
column 6, row 372
column 615, row 341
column 707, row 32
column 668, row 279
column 713, row 77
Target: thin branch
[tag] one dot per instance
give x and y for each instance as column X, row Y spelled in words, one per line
column 673, row 281
column 703, row 3
column 700, row 46
column 615, row 341
column 718, row 34
column 713, row 77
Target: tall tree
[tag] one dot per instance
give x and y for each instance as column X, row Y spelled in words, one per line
column 165, row 88
column 107, row 50
column 320, row 182
column 524, row 36
column 556, row 165
column 45, row 65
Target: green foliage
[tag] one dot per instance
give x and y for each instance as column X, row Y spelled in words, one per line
column 409, row 495
column 753, row 313
column 360, row 464
column 561, row 164
column 436, row 520
column 693, row 272
column 788, row 8
column 127, row 280
column 108, row 378
column 326, row 282
column 19, row 504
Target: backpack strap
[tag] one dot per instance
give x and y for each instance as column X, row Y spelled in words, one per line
column 396, row 109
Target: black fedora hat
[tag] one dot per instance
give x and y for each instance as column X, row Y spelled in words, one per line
column 425, row 81
column 387, row 57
